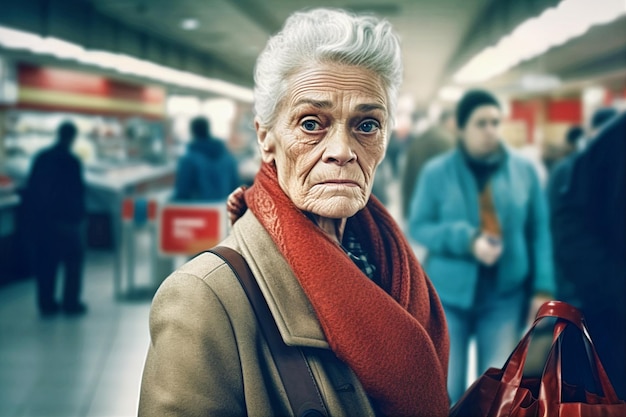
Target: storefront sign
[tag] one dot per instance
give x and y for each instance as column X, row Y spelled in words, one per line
column 57, row 89
column 190, row 229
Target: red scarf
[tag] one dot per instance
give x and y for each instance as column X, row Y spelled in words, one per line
column 394, row 338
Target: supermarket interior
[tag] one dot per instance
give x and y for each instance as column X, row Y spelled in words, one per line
column 131, row 75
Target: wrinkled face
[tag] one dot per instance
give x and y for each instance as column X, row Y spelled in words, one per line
column 329, row 136
column 481, row 134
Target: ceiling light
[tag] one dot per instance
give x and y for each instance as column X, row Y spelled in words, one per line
column 539, row 82
column 17, row 39
column 450, row 93
column 190, row 24
column 555, row 26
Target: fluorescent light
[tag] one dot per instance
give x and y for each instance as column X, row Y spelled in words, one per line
column 593, row 96
column 190, row 24
column 555, row 26
column 539, row 82
column 189, row 105
column 451, row 93
column 17, row 39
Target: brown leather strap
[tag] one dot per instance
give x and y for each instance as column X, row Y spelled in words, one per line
column 294, row 371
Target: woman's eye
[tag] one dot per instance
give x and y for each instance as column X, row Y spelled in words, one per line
column 310, row 125
column 369, row 126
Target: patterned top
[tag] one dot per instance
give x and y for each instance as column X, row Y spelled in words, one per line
column 354, row 250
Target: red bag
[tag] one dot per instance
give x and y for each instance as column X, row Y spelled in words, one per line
column 507, row 392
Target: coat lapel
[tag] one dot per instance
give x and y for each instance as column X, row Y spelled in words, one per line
column 287, row 301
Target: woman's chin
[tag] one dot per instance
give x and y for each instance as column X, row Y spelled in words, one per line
column 337, row 207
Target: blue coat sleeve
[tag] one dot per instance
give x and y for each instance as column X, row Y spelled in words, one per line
column 183, row 188
column 451, row 237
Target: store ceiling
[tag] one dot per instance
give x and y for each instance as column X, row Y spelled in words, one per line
column 235, row 31
column 598, row 57
column 438, row 36
column 434, row 33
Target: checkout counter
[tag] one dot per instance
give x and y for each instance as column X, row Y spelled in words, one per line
column 108, row 189
column 107, row 185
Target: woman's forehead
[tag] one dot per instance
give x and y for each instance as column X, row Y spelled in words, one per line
column 325, row 83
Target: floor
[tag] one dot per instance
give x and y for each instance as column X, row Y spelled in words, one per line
column 84, row 366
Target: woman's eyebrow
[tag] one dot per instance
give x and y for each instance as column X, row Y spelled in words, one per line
column 321, row 104
column 366, row 107
column 325, row 104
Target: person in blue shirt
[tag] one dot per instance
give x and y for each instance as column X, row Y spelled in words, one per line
column 480, row 211
column 207, row 172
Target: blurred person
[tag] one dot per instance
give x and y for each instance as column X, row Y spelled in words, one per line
column 553, row 154
column 588, row 219
column 599, row 118
column 558, row 184
column 208, row 171
column 480, row 212
column 400, row 139
column 55, row 205
column 573, row 135
column 340, row 279
column 381, row 181
column 432, row 142
column 559, row 178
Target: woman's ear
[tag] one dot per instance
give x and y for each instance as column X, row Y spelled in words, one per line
column 265, row 140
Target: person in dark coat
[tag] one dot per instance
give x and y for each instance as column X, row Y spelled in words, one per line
column 55, row 204
column 207, row 172
column 560, row 180
column 589, row 233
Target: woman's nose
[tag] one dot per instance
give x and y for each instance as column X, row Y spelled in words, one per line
column 339, row 148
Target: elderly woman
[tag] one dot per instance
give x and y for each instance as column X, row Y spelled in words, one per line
column 340, row 279
column 480, row 211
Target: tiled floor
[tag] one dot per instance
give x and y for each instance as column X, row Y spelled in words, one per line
column 73, row 367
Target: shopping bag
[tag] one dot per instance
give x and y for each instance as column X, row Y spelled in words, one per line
column 507, row 392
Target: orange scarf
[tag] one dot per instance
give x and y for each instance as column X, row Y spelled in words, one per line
column 394, row 338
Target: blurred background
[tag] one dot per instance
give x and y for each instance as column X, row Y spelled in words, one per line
column 132, row 74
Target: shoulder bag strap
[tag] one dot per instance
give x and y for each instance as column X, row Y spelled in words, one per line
column 294, row 371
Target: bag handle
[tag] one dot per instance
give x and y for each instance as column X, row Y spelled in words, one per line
column 564, row 311
column 551, row 380
column 551, row 383
column 302, row 391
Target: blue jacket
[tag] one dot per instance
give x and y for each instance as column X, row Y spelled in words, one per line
column 207, row 172
column 444, row 217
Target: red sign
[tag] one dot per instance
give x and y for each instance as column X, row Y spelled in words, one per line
column 190, row 229
column 61, row 89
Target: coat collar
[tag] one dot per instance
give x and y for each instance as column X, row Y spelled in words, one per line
column 287, row 301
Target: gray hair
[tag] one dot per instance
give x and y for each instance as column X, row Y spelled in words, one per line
column 325, row 36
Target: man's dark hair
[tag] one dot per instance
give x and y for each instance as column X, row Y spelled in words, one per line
column 470, row 101
column 66, row 132
column 573, row 134
column 200, row 128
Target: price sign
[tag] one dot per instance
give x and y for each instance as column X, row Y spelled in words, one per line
column 186, row 229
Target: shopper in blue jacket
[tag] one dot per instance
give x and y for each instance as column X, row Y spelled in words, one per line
column 480, row 211
column 207, row 172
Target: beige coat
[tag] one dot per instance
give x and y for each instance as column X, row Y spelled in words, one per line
column 207, row 356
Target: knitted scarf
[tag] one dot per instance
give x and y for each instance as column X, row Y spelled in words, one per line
column 392, row 336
